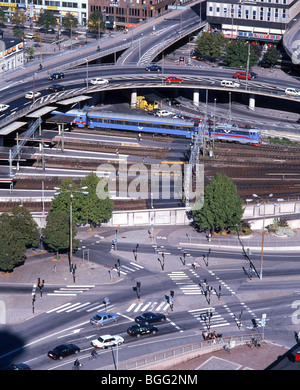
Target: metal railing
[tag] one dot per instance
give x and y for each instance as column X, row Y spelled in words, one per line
column 192, row 350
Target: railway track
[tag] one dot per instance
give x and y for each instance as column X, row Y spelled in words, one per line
column 262, row 170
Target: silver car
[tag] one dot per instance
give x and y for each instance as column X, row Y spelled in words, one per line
column 103, row 318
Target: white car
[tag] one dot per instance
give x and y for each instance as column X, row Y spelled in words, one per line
column 107, row 341
column 164, row 113
column 31, row 95
column 3, row 107
column 98, row 81
column 229, row 84
column 292, row 92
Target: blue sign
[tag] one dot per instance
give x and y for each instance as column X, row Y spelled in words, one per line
column 115, row 240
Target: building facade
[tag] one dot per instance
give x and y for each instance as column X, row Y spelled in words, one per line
column 261, row 20
column 33, row 8
column 125, row 14
column 11, row 54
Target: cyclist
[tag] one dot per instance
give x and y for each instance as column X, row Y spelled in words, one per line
column 94, row 354
column 40, row 66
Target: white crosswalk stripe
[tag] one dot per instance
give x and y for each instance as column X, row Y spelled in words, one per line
column 216, row 320
column 78, row 307
column 127, row 269
column 71, row 290
column 186, row 285
column 148, row 306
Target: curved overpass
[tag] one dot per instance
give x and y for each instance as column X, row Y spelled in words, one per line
column 291, row 42
column 134, row 78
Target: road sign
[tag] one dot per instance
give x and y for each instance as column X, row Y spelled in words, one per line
column 115, row 240
column 176, row 7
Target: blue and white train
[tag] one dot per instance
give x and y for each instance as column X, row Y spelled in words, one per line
column 160, row 125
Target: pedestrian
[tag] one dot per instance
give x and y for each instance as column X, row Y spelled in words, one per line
column 77, row 364
column 298, row 335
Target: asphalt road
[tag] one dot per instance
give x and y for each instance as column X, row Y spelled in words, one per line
column 275, row 295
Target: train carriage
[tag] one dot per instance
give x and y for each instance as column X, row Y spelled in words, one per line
column 162, row 125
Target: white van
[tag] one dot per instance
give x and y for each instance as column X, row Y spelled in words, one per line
column 29, row 36
column 229, row 84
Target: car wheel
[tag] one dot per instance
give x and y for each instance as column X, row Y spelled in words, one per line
column 76, row 351
column 120, row 343
column 138, row 335
column 115, row 319
column 101, row 324
column 162, row 320
column 60, row 358
column 154, row 331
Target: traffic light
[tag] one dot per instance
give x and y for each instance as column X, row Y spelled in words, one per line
column 172, row 293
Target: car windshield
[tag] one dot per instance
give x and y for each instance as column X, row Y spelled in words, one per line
column 101, row 339
column 97, row 318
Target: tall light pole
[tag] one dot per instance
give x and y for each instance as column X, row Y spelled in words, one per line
column 70, row 191
column 263, row 201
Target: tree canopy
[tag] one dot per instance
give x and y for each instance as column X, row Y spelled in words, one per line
column 222, row 206
column 270, row 57
column 47, row 20
column 86, row 208
column 237, row 55
column 95, row 22
column 69, row 21
column 56, row 234
column 18, row 231
column 211, row 44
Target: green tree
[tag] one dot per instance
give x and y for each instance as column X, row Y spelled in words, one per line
column 222, row 206
column 69, row 21
column 62, row 201
column 56, row 234
column 270, row 57
column 95, row 210
column 95, row 22
column 23, row 222
column 31, row 52
column 19, row 17
column 18, row 33
column 237, row 55
column 3, row 17
column 47, row 20
column 12, row 248
column 211, row 44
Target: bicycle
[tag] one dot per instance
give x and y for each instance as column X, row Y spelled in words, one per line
column 94, row 357
column 226, row 348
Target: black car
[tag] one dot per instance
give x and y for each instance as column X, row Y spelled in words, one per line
column 138, row 330
column 55, row 76
column 150, row 318
column 253, row 75
column 153, row 68
column 63, row 350
column 57, row 88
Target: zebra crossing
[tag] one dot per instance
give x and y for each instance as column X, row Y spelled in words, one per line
column 185, row 283
column 213, row 319
column 78, row 307
column 71, row 291
column 129, row 268
column 149, row 306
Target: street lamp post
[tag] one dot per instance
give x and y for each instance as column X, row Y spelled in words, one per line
column 263, row 201
column 70, row 191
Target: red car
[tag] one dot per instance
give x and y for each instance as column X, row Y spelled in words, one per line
column 173, row 79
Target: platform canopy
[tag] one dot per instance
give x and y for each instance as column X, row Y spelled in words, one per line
column 11, row 127
column 73, row 100
column 40, row 112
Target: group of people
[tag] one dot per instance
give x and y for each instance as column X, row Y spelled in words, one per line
column 211, row 336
